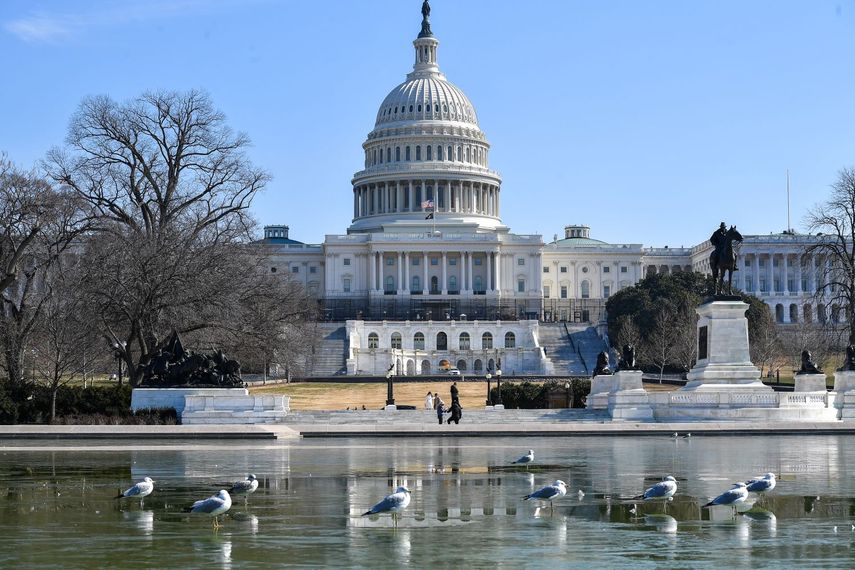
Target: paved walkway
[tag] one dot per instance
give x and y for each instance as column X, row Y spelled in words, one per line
column 317, row 430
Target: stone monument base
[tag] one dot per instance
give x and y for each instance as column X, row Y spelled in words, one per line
column 810, row 383
column 844, row 388
column 627, row 399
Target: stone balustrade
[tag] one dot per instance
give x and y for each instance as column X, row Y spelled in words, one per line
column 228, row 409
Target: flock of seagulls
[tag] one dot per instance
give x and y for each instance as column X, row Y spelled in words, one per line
column 663, row 491
column 213, row 506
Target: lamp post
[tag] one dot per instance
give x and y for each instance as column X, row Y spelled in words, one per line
column 499, row 387
column 567, row 391
column 119, row 353
column 489, row 397
column 390, row 396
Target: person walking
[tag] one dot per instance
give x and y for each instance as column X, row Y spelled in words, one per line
column 456, row 412
column 429, row 401
column 454, row 393
column 440, row 409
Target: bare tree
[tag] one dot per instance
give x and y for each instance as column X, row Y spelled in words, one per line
column 627, row 332
column 170, row 188
column 834, row 222
column 37, row 225
column 660, row 344
column 685, row 336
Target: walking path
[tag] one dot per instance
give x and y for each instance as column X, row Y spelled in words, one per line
column 316, row 429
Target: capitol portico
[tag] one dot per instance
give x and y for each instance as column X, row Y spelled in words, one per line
column 427, row 249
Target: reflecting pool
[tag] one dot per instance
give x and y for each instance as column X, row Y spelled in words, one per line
column 57, row 506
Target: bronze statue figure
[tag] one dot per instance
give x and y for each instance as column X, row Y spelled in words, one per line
column 723, row 258
column 426, row 32
column 627, row 358
column 173, row 366
column 808, row 366
column 602, row 368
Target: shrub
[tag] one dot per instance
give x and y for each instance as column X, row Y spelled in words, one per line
column 531, row 395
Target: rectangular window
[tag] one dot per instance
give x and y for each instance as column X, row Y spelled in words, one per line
column 477, row 261
column 346, row 261
column 416, row 261
column 804, row 284
column 607, row 269
column 546, row 291
column 313, row 269
column 521, row 261
column 434, row 261
column 791, row 284
column 390, row 261
column 564, row 270
column 346, row 285
column 749, row 284
column 564, row 291
column 295, row 269
column 546, row 269
column 761, row 262
column 747, row 263
column 521, row 286
column 452, row 261
column 623, row 269
column 775, row 262
column 607, row 290
column 763, row 288
column 777, row 285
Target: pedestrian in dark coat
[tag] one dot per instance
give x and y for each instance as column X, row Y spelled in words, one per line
column 440, row 410
column 456, row 412
column 454, row 393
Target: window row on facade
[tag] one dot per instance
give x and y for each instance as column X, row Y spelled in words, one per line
column 464, row 341
column 441, row 153
column 419, row 196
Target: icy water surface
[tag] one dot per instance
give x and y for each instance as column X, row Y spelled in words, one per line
column 57, row 507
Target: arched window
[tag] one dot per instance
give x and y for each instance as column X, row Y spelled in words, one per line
column 417, row 284
column 779, row 313
column 439, row 153
column 452, row 283
column 467, row 154
column 418, row 152
column 429, row 153
column 407, row 153
column 390, row 284
column 459, row 153
column 464, row 341
column 373, row 340
column 397, row 154
column 419, row 341
column 411, row 108
column 476, row 366
column 510, row 340
column 449, row 153
column 478, row 284
column 586, row 289
column 374, row 156
column 461, row 365
column 434, row 285
column 441, row 341
column 388, row 154
column 396, row 340
column 420, row 108
column 487, row 341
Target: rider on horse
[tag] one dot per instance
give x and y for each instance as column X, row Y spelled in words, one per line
column 719, row 240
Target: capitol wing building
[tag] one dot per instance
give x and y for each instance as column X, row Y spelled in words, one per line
column 428, row 277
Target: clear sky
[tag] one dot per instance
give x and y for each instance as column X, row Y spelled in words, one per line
column 649, row 121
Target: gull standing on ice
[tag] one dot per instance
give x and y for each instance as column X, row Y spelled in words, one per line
column 394, row 503
column 525, row 459
column 549, row 493
column 142, row 489
column 214, row 506
column 761, row 484
column 663, row 490
column 245, row 487
column 737, row 494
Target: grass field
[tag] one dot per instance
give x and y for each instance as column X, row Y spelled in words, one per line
column 343, row 395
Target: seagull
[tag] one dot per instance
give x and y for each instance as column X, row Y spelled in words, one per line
column 394, row 503
column 737, row 494
column 525, row 459
column 581, row 494
column 142, row 489
column 549, row 493
column 245, row 487
column 214, row 506
column 662, row 490
column 761, row 484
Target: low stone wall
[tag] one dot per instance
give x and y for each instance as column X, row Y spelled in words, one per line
column 234, row 409
column 153, row 398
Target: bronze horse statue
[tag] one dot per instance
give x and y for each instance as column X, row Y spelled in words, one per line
column 723, row 259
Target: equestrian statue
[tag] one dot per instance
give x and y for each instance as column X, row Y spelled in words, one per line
column 723, row 257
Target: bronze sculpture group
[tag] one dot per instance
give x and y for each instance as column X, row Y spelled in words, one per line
column 173, row 366
column 723, row 258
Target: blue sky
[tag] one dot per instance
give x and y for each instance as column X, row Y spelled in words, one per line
column 649, row 121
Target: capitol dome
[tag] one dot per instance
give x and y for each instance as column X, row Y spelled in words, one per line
column 426, row 157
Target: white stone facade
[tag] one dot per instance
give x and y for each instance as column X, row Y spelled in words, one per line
column 427, row 347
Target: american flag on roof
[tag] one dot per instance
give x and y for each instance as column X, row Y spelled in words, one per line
column 427, row 204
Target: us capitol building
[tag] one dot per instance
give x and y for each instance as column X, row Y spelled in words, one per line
column 427, row 275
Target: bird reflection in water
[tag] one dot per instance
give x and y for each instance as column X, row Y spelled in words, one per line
column 141, row 520
column 662, row 523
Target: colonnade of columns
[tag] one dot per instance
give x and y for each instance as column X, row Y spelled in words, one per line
column 786, row 274
column 464, row 274
column 398, row 196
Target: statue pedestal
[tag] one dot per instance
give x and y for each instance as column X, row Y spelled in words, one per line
column 844, row 388
column 627, row 399
column 810, row 383
column 598, row 399
column 724, row 362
